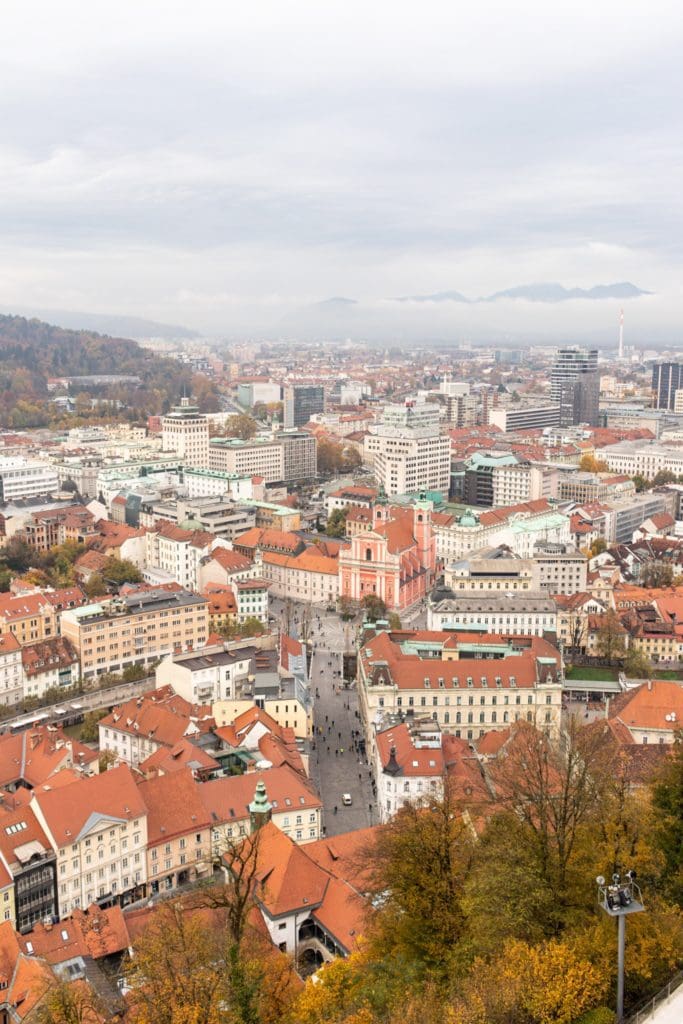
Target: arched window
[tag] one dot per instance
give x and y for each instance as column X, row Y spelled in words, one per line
column 458, row 717
column 447, row 717
column 505, row 716
column 368, row 554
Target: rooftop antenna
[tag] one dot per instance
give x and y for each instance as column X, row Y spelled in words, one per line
column 621, row 334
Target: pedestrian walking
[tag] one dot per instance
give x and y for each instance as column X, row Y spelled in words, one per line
column 336, row 752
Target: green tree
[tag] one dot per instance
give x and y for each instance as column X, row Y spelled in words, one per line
column 120, row 570
column 95, row 586
column 89, row 731
column 394, row 620
column 347, row 607
column 336, row 522
column 17, row 554
column 637, row 665
column 663, row 476
column 641, row 482
column 374, row 607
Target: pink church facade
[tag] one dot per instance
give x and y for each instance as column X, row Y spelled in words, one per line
column 395, row 559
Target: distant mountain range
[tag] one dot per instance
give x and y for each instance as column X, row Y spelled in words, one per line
column 541, row 292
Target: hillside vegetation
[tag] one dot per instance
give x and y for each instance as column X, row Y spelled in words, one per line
column 32, row 351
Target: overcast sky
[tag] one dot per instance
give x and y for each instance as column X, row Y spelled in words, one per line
column 219, row 164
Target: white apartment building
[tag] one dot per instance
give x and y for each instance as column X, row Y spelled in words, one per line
column 26, row 478
column 203, row 483
column 407, row 451
column 262, row 456
column 11, row 672
column 644, row 458
column 206, row 676
column 252, row 601
column 177, row 552
column 530, row 613
column 554, row 569
column 98, row 829
column 186, row 432
column 290, row 455
column 517, row 528
column 523, row 482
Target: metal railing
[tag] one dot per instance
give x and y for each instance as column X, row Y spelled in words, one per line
column 654, row 1002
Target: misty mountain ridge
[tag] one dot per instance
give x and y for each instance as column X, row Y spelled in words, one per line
column 117, row 326
column 543, row 291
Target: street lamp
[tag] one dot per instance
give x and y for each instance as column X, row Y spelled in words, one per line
column 619, row 898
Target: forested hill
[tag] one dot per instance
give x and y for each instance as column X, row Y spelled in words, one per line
column 32, row 351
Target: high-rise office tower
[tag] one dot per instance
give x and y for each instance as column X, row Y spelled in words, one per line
column 408, row 451
column 186, row 431
column 575, row 386
column 301, row 402
column 667, row 379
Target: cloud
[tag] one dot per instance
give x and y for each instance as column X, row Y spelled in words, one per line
column 226, row 163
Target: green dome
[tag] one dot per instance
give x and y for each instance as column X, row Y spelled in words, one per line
column 468, row 518
column 190, row 524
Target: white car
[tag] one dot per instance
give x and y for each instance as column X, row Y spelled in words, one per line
column 346, row 799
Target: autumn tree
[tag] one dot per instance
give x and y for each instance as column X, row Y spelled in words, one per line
column 597, row 547
column 418, row 865
column 70, row 1002
column 610, row 637
column 241, row 425
column 590, row 464
column 554, row 786
column 667, row 799
column 656, row 574
column 547, row 983
column 176, row 972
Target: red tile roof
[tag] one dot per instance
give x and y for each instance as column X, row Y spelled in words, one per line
column 57, row 652
column 648, row 706
column 160, row 715
column 69, row 810
column 174, row 807
column 228, row 799
column 36, row 755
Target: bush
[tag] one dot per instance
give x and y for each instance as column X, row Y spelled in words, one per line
column 599, row 1015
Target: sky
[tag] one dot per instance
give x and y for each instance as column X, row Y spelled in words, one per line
column 222, row 165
